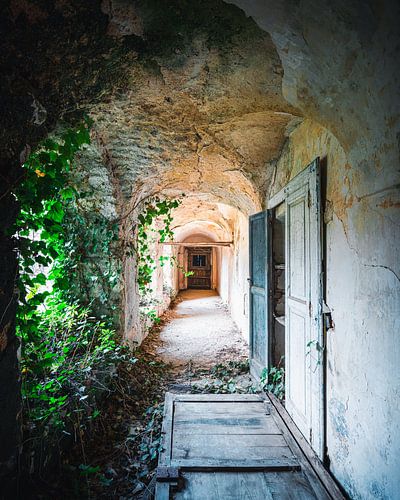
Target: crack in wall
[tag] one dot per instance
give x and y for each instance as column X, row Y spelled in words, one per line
column 353, row 249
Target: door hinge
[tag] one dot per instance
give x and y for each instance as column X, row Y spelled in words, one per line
column 309, row 199
column 310, row 436
column 310, row 309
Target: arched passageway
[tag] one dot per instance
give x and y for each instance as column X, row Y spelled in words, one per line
column 210, row 323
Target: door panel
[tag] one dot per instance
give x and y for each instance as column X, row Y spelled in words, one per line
column 304, row 305
column 297, row 394
column 259, row 344
column 258, row 237
column 297, row 308
column 297, row 247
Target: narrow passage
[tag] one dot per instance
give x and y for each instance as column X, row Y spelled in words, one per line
column 200, row 333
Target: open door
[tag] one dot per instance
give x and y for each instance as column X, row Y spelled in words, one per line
column 259, row 256
column 300, row 205
column 303, row 310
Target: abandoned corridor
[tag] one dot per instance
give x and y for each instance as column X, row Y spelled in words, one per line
column 281, row 113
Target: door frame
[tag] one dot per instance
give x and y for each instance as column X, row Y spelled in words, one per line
column 317, row 381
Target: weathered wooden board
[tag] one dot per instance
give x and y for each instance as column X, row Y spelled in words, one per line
column 246, row 486
column 238, row 464
column 215, row 408
column 219, row 398
column 247, row 424
column 236, row 447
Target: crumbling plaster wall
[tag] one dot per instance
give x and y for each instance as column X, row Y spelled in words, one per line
column 362, row 291
column 233, row 263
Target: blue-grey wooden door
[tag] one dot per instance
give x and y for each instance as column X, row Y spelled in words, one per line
column 258, row 281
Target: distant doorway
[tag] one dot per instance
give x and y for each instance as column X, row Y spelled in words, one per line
column 199, row 265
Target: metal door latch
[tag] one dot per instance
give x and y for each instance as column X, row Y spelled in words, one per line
column 327, row 315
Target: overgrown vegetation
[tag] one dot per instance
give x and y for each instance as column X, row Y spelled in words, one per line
column 273, row 379
column 234, row 377
column 56, row 371
column 226, row 378
column 155, row 211
column 42, row 196
column 154, row 226
column 69, row 351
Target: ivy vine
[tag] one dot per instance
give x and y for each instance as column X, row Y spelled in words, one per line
column 42, row 195
column 62, row 338
column 154, row 222
column 153, row 227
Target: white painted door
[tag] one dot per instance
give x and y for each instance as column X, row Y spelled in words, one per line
column 304, row 373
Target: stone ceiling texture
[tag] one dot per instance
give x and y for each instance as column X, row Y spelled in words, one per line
column 201, row 110
column 196, row 216
column 197, row 97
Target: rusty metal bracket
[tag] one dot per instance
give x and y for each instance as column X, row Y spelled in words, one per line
column 170, row 475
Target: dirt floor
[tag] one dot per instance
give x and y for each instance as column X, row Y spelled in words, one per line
column 201, row 346
column 200, row 333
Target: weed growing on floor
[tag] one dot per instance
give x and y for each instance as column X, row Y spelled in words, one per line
column 225, row 378
column 150, row 445
column 273, row 380
column 232, row 368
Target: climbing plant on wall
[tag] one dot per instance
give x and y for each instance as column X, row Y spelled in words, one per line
column 155, row 210
column 154, row 227
column 42, row 195
column 92, row 263
column 63, row 338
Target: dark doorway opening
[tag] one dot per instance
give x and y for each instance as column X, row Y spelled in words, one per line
column 277, row 347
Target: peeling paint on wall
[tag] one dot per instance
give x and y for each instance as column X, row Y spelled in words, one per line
column 363, row 294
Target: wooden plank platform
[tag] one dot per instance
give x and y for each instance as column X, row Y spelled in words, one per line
column 235, row 447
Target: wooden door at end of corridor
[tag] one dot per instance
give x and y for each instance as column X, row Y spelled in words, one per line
column 199, row 265
column 258, row 283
